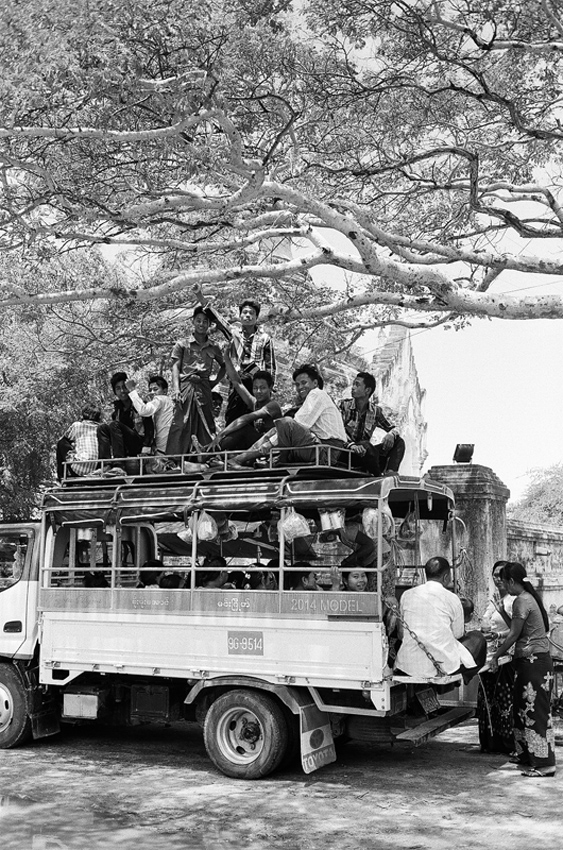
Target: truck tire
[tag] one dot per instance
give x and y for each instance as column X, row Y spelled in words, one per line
column 15, row 723
column 245, row 734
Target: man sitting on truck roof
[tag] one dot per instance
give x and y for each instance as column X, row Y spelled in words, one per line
column 318, row 420
column 128, row 434
column 432, row 630
column 365, row 421
column 261, row 413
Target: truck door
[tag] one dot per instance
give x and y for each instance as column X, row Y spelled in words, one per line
column 17, row 586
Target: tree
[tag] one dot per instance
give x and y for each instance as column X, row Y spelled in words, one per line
column 543, row 498
column 414, row 144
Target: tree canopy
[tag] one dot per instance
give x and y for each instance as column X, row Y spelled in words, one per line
column 543, row 498
column 413, row 147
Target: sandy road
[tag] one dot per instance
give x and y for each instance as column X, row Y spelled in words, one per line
column 155, row 788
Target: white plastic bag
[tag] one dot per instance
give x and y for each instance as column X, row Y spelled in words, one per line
column 369, row 522
column 186, row 535
column 206, row 527
column 293, row 525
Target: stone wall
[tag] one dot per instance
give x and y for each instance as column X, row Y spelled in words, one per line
column 540, row 548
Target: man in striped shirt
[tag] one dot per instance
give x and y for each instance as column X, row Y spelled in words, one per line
column 362, row 417
column 250, row 350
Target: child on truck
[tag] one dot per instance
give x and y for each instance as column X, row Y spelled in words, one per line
column 79, row 445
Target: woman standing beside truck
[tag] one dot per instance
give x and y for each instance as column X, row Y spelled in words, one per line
column 533, row 682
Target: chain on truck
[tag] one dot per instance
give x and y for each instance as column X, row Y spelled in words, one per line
column 272, row 674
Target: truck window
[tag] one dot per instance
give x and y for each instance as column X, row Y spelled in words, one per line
column 82, row 557
column 95, row 557
column 13, row 551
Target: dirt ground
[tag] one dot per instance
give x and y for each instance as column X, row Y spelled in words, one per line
column 155, row 788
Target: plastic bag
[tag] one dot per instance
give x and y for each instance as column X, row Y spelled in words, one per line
column 186, row 535
column 206, row 527
column 293, row 525
column 369, row 522
column 330, row 520
column 407, row 529
column 227, row 532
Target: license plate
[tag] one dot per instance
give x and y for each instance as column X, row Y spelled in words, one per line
column 428, row 700
column 245, row 643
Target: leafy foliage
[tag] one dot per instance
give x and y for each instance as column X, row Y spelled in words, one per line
column 543, row 499
column 227, row 141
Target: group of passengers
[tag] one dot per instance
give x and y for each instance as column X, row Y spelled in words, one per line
column 183, row 423
column 214, row 574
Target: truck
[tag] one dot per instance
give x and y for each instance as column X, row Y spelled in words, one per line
column 271, row 672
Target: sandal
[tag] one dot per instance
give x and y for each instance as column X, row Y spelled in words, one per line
column 517, row 760
column 537, row 773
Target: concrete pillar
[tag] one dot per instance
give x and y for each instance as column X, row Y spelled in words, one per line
column 481, row 499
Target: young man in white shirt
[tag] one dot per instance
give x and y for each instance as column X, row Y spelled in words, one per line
column 160, row 407
column 318, row 420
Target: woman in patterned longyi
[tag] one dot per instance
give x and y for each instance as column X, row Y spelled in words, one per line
column 533, row 682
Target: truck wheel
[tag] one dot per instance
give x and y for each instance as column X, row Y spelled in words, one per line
column 15, row 724
column 245, row 734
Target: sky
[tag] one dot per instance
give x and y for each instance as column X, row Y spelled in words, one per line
column 496, row 384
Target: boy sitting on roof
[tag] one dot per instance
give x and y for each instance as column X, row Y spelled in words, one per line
column 262, row 411
column 80, row 445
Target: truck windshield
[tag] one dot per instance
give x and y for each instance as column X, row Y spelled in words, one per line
column 13, row 549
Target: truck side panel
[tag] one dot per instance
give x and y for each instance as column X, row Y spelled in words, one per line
column 304, row 652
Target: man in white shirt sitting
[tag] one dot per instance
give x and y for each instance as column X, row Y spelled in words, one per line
column 433, row 640
column 318, row 420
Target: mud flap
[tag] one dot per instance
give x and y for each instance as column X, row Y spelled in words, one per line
column 317, row 744
column 45, row 723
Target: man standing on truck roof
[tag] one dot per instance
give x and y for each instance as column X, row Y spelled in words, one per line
column 250, row 349
column 160, row 407
column 318, row 420
column 431, row 628
column 365, row 422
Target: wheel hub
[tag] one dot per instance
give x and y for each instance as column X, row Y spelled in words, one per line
column 240, row 735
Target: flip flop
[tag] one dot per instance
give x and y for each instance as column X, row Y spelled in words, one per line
column 534, row 773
